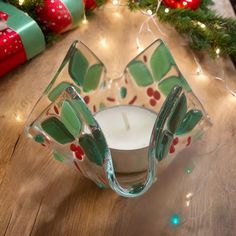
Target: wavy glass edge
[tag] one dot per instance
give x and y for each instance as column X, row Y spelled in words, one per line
column 107, row 165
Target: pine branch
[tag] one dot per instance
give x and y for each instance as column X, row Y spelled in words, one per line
column 206, row 30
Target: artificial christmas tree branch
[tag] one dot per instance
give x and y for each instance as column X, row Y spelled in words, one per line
column 207, row 30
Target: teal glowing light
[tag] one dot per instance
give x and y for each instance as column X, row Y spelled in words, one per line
column 175, row 219
column 188, row 170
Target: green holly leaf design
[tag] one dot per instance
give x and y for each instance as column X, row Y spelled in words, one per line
column 70, row 119
column 175, row 117
column 79, row 106
column 163, row 138
column 92, row 77
column 167, row 84
column 91, row 149
column 58, row 156
column 101, row 142
column 189, row 121
column 78, row 67
column 140, row 73
column 123, row 92
column 161, row 62
column 57, row 130
column 182, row 121
column 178, row 113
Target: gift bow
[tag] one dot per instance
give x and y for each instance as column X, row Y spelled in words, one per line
column 20, row 37
column 3, row 20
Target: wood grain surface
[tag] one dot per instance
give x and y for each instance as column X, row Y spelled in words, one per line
column 39, row 196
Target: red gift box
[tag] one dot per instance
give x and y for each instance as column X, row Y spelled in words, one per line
column 60, row 15
column 20, row 38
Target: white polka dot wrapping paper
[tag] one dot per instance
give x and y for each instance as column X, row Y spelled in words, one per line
column 20, row 38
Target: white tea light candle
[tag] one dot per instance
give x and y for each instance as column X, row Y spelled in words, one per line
column 127, row 130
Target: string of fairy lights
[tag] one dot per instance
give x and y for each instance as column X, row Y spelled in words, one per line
column 145, row 25
column 151, row 17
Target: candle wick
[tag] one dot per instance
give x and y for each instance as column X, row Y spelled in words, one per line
column 126, row 121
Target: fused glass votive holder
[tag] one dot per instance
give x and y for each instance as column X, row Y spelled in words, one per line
column 65, row 119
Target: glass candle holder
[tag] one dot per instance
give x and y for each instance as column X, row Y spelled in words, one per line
column 107, row 126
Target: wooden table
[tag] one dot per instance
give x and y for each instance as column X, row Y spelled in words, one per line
column 39, row 196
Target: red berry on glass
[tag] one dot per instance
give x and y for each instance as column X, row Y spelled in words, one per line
column 157, row 95
column 152, row 102
column 56, row 110
column 172, row 149
column 78, row 155
column 73, row 147
column 80, row 151
column 86, row 99
column 175, row 141
column 150, row 92
column 189, row 141
column 145, row 58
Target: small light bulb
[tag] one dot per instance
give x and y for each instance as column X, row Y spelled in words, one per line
column 18, row 118
column 149, row 12
column 189, row 195
column 199, row 70
column 115, row 2
column 167, row 10
column 217, row 51
column 185, row 3
column 21, row 2
column 84, row 21
column 117, row 15
column 188, row 203
column 203, row 26
column 103, row 42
